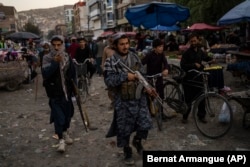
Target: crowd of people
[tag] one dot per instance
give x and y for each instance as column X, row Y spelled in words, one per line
column 131, row 113
column 26, row 50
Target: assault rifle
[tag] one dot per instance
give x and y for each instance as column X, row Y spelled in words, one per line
column 175, row 104
column 83, row 113
column 142, row 80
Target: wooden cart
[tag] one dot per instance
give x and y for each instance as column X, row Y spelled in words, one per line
column 12, row 74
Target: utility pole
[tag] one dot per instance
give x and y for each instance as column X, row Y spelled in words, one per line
column 88, row 21
column 101, row 14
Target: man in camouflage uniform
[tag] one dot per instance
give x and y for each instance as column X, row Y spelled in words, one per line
column 130, row 112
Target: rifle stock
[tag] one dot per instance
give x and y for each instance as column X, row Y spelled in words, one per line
column 83, row 114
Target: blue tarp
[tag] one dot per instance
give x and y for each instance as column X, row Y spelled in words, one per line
column 155, row 13
column 237, row 14
column 166, row 28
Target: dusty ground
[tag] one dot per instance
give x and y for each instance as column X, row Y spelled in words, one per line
column 26, row 135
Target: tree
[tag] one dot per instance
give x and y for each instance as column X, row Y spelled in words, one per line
column 29, row 27
column 207, row 11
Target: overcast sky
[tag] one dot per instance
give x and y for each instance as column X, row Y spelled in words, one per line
column 21, row 5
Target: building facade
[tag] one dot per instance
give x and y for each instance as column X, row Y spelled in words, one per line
column 8, row 19
column 99, row 16
column 69, row 18
column 80, row 17
column 95, row 16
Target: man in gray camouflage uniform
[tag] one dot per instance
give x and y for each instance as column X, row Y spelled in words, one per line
column 131, row 113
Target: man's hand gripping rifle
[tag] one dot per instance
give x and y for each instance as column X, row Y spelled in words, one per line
column 151, row 90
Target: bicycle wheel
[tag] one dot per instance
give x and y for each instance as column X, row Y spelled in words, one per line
column 82, row 87
column 174, row 98
column 172, row 91
column 174, row 71
column 158, row 114
column 219, row 115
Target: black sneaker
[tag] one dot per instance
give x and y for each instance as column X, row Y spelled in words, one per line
column 128, row 160
column 137, row 144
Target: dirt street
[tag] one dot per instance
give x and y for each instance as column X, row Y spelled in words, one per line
column 26, row 135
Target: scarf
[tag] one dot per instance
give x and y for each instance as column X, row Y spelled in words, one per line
column 64, row 65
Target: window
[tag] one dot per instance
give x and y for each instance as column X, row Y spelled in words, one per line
column 12, row 26
column 110, row 16
column 67, row 19
column 2, row 16
column 109, row 3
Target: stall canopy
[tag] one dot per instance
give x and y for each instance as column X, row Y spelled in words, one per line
column 203, row 26
column 22, row 36
column 237, row 14
column 166, row 28
column 107, row 33
column 155, row 13
column 130, row 34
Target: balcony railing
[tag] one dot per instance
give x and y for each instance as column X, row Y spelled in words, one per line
column 91, row 2
column 95, row 12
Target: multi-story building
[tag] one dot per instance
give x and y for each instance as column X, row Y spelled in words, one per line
column 99, row 16
column 69, row 18
column 109, row 22
column 95, row 14
column 8, row 19
column 81, row 18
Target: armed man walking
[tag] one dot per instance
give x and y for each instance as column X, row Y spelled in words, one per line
column 131, row 113
column 58, row 72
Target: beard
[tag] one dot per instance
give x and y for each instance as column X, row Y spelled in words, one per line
column 194, row 46
column 55, row 52
column 122, row 53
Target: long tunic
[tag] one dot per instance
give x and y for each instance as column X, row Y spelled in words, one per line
column 62, row 109
column 192, row 84
column 189, row 58
column 129, row 115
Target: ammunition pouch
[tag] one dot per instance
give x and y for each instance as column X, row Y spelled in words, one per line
column 139, row 91
column 128, row 90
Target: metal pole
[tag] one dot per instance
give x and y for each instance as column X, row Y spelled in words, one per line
column 101, row 15
column 88, row 22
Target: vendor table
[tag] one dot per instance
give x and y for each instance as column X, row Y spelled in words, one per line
column 240, row 55
column 223, row 48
